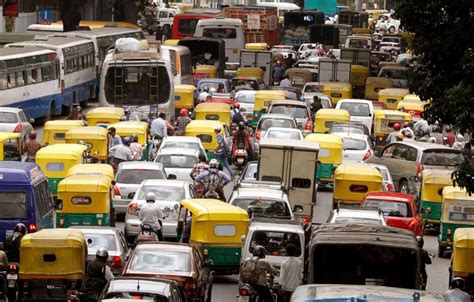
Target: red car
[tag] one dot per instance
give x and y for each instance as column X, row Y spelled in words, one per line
column 399, row 210
column 177, row 262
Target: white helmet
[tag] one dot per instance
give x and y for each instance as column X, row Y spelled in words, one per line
column 460, row 137
column 150, row 196
column 203, row 96
column 214, row 164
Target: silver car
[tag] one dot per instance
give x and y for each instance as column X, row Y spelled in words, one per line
column 168, row 194
column 298, row 110
column 356, row 215
column 183, row 142
column 178, row 162
column 129, row 177
column 271, row 120
column 15, row 120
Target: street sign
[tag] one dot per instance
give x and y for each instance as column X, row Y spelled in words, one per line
column 45, row 16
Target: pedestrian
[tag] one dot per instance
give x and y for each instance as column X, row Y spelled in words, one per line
column 75, row 114
column 31, row 147
column 467, row 152
column 182, row 121
column 159, row 129
column 135, row 148
column 457, row 293
column 278, row 72
column 221, row 152
column 286, row 82
column 450, row 136
column 425, row 260
column 114, row 138
column 291, row 274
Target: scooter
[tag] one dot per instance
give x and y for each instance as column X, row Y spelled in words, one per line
column 12, row 281
column 146, row 234
column 240, row 156
column 248, row 294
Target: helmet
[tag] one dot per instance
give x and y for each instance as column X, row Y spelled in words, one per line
column 126, row 141
column 203, row 96
column 134, row 138
column 214, row 163
column 78, row 108
column 32, row 134
column 406, row 124
column 458, row 282
column 20, row 228
column 396, row 127
column 150, row 196
column 102, row 254
column 217, row 128
column 259, row 251
column 183, row 112
column 205, row 89
column 241, row 125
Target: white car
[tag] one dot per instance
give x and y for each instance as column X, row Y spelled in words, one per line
column 312, row 87
column 360, row 110
column 356, row 148
column 387, row 23
column 356, row 216
column 246, row 100
column 168, row 195
column 387, row 184
column 309, row 98
column 15, row 120
column 183, row 142
column 178, row 162
column 284, row 133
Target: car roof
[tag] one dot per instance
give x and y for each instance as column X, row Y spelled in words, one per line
column 165, row 182
column 276, row 225
column 289, row 102
column 390, row 196
column 178, row 151
column 182, row 139
column 96, row 229
column 147, row 285
column 424, row 145
column 128, row 165
column 358, row 213
column 259, row 192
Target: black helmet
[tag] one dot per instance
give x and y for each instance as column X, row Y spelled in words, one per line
column 102, row 254
column 134, row 138
column 259, row 251
column 20, row 228
column 458, row 282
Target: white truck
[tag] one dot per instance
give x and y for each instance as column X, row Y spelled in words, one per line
column 294, row 164
column 260, row 59
column 333, row 70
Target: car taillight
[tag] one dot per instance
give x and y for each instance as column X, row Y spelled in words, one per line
column 190, row 286
column 390, row 187
column 116, row 191
column 257, row 134
column 18, row 128
column 309, row 124
column 306, row 220
column 367, row 155
column 243, row 292
column 116, row 262
column 32, row 228
column 418, row 170
column 132, row 208
column 12, row 268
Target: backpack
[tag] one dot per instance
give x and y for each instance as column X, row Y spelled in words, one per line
column 237, row 118
column 248, row 272
column 213, row 182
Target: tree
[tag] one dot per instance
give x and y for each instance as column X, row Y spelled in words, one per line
column 70, row 14
column 445, row 73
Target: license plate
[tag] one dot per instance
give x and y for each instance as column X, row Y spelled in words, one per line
column 240, row 160
column 12, row 276
column 244, row 299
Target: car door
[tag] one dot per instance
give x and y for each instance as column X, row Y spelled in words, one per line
column 384, row 157
column 400, row 164
column 203, row 279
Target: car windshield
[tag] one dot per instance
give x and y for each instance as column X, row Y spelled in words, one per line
column 263, row 207
column 294, row 111
column 8, row 117
column 182, row 145
column 275, row 242
column 167, row 193
column 272, row 122
column 13, row 204
column 313, row 88
column 160, row 260
column 356, row 109
column 250, row 172
column 350, row 144
column 390, row 208
column 249, row 83
column 136, row 176
column 283, row 134
column 177, row 161
column 246, row 98
column 357, row 220
column 335, row 128
column 441, row 157
column 96, row 241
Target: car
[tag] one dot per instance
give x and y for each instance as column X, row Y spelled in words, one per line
column 356, row 215
column 168, row 194
column 261, row 198
column 110, row 238
column 284, row 133
column 406, row 159
column 247, row 83
column 313, row 87
column 131, row 289
column 128, row 178
column 213, row 84
column 15, row 120
column 357, row 147
column 269, row 120
column 292, row 93
column 304, row 48
column 349, row 128
column 297, row 109
column 398, row 74
column 178, row 162
column 249, row 172
column 399, row 209
column 183, row 142
column 246, row 99
column 182, row 263
column 361, row 111
column 387, row 184
column 386, row 23
column 309, row 99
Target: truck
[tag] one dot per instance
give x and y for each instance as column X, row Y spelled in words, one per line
column 333, row 70
column 297, row 24
column 293, row 164
column 260, row 59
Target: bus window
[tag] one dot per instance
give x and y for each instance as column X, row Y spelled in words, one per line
column 43, row 199
column 220, row 33
column 13, row 204
column 3, row 82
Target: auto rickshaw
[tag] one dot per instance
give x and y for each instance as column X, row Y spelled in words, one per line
column 256, row 46
column 352, row 181
column 263, row 99
column 461, row 259
column 10, row 146
column 384, row 121
column 430, row 198
column 216, row 228
column 325, row 117
column 213, row 112
column 83, row 200
column 374, row 84
column 359, row 75
column 301, row 76
column 128, row 128
column 53, row 264
column 250, row 72
column 171, row 42
column 204, row 72
column 54, row 132
column 391, row 96
column 56, row 160
column 456, row 213
column 92, row 169
column 337, row 91
column 330, row 155
column 204, row 130
column 104, row 116
column 96, row 140
column 184, row 96
column 412, row 105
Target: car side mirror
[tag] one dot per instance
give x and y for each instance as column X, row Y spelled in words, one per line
column 172, row 176
column 298, row 209
column 58, row 204
column 31, row 120
column 131, row 195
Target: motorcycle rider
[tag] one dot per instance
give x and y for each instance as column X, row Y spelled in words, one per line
column 76, row 114
column 407, row 129
column 213, row 179
column 12, row 243
column 98, row 273
column 150, row 213
column 450, row 136
column 425, row 259
column 436, row 134
column 421, row 128
column 241, row 137
column 236, row 115
column 182, row 121
column 456, row 293
column 392, row 137
column 122, row 152
column 31, row 147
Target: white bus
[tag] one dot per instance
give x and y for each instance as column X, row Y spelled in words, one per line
column 181, row 63
column 78, row 67
column 29, row 79
column 138, row 80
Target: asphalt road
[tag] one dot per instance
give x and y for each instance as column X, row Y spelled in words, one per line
column 225, row 287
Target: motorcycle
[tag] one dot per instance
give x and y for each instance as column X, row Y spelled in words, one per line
column 248, row 294
column 146, row 234
column 12, row 281
column 240, row 156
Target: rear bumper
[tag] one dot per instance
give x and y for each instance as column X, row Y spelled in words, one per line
column 120, row 205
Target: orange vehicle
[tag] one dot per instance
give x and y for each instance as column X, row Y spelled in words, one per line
column 184, row 24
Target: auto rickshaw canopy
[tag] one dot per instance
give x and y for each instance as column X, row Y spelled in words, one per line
column 330, row 147
column 59, row 152
column 92, row 169
column 463, row 252
column 433, row 182
column 87, row 133
column 8, row 136
column 104, row 115
column 85, row 183
column 451, row 193
column 127, row 128
column 358, row 172
column 54, row 131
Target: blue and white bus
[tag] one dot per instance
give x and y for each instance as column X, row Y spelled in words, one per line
column 30, row 80
column 77, row 66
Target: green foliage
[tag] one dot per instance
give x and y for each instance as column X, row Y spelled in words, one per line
column 464, row 177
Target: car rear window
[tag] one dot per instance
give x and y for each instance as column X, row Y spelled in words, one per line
column 356, row 109
column 357, row 220
column 13, row 204
column 250, row 173
column 177, row 161
column 275, row 242
column 294, row 111
column 136, row 176
column 183, row 145
column 345, row 129
column 441, row 157
column 272, row 122
column 96, row 241
column 8, row 117
column 394, row 209
column 283, row 134
column 350, row 144
column 137, row 296
column 246, row 98
column 263, row 207
column 167, row 193
column 160, row 260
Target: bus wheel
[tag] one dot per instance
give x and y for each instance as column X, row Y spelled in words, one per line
column 49, row 114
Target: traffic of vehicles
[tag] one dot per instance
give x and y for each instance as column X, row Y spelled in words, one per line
column 205, row 150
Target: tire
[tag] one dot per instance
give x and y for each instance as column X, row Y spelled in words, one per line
column 441, row 251
column 403, row 187
column 209, row 295
column 48, row 115
column 391, row 29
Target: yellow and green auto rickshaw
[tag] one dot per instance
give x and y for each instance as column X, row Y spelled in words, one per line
column 56, row 160
column 253, row 72
column 53, row 264
column 330, row 156
column 325, row 117
column 263, row 99
column 391, row 96
column 95, row 138
column 384, row 121
column 54, row 132
column 213, row 112
column 185, row 97
column 412, row 104
column 352, row 181
column 432, row 183
column 102, row 116
column 216, row 228
column 359, row 75
column 128, row 128
column 92, row 169
column 462, row 264
column 457, row 212
column 337, row 90
column 374, row 84
column 204, row 130
column 10, row 146
column 83, row 200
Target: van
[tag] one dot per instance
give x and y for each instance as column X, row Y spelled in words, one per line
column 24, row 198
column 230, row 30
column 361, row 111
column 181, row 63
column 358, row 42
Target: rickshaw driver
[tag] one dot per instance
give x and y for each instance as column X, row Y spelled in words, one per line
column 135, row 147
column 151, row 214
column 182, row 121
column 31, row 147
column 122, row 152
column 213, row 179
column 98, row 273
